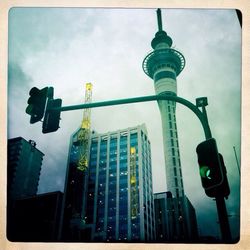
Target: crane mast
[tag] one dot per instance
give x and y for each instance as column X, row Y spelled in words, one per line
column 85, row 131
column 133, row 184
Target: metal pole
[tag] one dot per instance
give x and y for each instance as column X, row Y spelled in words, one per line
column 183, row 101
column 221, row 206
column 223, row 219
column 237, row 160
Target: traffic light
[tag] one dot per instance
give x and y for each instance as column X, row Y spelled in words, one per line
column 211, row 168
column 37, row 102
column 52, row 117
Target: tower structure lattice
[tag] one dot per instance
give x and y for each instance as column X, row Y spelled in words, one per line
column 85, row 131
column 133, row 184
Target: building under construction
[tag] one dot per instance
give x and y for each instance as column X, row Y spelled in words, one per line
column 114, row 195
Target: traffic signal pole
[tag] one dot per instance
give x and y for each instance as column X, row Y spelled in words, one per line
column 223, row 219
column 195, row 109
column 220, row 200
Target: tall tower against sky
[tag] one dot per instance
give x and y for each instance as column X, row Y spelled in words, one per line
column 163, row 65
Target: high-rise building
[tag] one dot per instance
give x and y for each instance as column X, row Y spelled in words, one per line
column 116, row 198
column 163, row 65
column 175, row 219
column 24, row 166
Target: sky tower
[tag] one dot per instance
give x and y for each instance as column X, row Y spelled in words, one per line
column 163, row 65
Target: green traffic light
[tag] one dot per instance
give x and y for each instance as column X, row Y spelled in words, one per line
column 208, row 174
column 205, row 172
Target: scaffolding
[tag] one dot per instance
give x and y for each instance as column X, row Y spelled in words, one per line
column 133, row 184
column 85, row 131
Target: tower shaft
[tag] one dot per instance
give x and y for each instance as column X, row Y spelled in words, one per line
column 163, row 65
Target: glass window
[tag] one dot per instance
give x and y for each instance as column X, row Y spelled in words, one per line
column 133, row 136
column 123, row 138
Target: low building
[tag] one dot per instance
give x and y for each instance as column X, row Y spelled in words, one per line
column 175, row 219
column 36, row 218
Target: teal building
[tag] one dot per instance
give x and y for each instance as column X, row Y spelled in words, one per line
column 116, row 197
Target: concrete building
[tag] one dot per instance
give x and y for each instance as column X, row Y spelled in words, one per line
column 163, row 65
column 116, row 197
column 175, row 215
column 24, row 166
column 175, row 219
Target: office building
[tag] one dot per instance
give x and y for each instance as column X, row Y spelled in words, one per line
column 115, row 197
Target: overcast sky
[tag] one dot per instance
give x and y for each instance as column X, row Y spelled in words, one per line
column 67, row 47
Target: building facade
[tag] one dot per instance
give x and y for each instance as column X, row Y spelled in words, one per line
column 163, row 65
column 36, row 218
column 117, row 196
column 175, row 219
column 24, row 167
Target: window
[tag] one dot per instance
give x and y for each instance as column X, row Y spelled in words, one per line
column 177, row 193
column 174, row 161
column 173, row 153
column 175, row 173
column 176, row 182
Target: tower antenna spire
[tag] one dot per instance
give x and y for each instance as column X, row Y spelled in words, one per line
column 159, row 20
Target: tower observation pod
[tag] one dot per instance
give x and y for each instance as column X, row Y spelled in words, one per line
column 163, row 65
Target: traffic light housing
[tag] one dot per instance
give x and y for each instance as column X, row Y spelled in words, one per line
column 52, row 117
column 212, row 169
column 36, row 104
column 223, row 190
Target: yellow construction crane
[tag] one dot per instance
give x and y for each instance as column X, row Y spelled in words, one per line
column 133, row 184
column 85, row 131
